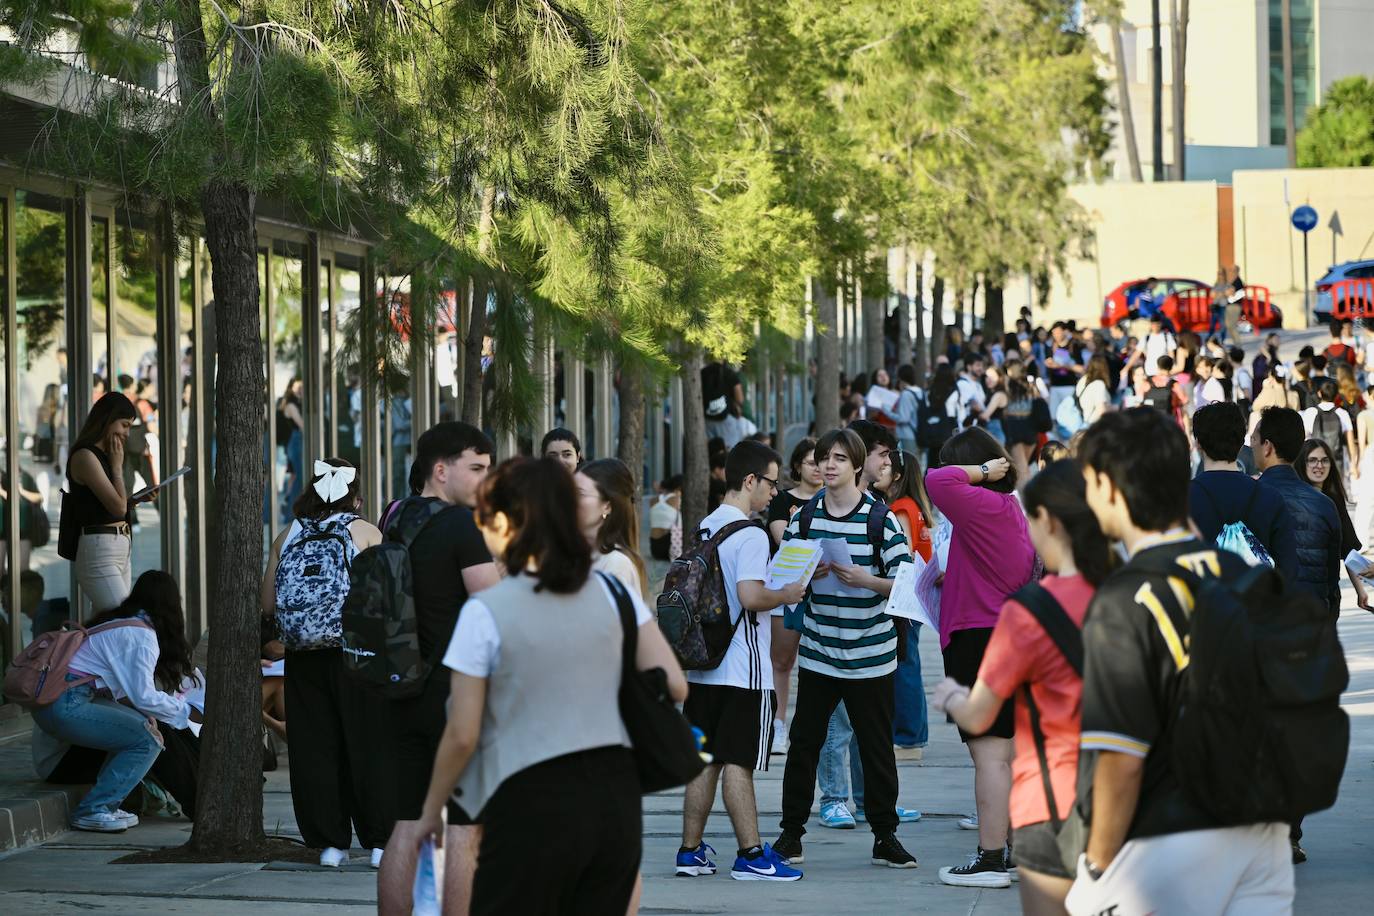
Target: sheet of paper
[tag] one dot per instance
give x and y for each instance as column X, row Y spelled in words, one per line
column 182, row 472
column 192, row 692
column 795, row 561
column 940, row 540
column 276, row 669
column 1359, row 564
column 836, row 552
column 904, row 600
column 928, row 595
column 883, row 399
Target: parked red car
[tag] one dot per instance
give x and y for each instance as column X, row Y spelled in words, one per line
column 1186, row 303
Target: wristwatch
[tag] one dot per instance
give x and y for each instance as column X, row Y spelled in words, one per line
column 984, row 469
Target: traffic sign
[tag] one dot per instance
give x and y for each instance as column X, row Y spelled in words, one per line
column 1304, row 218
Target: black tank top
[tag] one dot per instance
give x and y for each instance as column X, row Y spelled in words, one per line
column 85, row 506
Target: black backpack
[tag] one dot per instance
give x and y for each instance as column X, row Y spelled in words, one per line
column 693, row 610
column 1161, row 397
column 1259, row 735
column 934, row 427
column 1328, row 429
column 381, row 634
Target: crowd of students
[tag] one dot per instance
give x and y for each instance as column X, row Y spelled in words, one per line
column 1040, row 454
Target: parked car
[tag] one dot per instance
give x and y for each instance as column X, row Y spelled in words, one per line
column 1169, row 295
column 1350, row 270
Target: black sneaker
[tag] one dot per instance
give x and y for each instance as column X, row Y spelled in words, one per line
column 1012, row 870
column 1299, row 854
column 889, row 851
column 789, row 848
column 985, row 868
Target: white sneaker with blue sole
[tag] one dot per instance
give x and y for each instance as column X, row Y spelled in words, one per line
column 767, row 866
column 904, row 815
column 837, row 817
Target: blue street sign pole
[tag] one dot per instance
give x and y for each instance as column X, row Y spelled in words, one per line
column 1305, row 220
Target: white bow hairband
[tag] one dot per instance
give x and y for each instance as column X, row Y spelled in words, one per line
column 333, row 481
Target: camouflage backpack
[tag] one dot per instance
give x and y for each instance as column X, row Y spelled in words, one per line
column 693, row 610
column 312, row 582
column 381, row 636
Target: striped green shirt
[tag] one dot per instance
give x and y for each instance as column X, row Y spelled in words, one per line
column 845, row 632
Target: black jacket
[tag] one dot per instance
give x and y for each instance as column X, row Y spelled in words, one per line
column 1316, row 530
column 1218, row 498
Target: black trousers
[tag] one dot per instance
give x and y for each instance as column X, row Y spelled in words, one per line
column 869, row 702
column 562, row 838
column 339, row 782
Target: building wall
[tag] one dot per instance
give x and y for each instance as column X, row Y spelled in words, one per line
column 1343, row 31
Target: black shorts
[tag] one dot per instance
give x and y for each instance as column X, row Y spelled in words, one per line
column 1036, row 846
column 963, row 656
column 738, row 723
column 416, row 724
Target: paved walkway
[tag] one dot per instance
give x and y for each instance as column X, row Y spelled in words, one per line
column 72, row 874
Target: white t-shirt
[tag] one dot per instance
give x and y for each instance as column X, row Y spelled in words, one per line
column 1309, row 417
column 662, row 514
column 1211, row 392
column 1093, row 399
column 970, row 394
column 618, row 563
column 1157, row 345
column 743, row 558
column 475, row 649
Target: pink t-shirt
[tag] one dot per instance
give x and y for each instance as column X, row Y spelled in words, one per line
column 990, row 554
column 1021, row 652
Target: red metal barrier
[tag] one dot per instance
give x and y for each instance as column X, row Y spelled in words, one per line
column 1352, row 299
column 1258, row 308
column 1194, row 309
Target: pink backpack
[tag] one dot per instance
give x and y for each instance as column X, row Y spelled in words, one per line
column 38, row 675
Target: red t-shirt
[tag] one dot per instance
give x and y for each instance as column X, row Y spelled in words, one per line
column 1342, row 350
column 920, row 534
column 1021, row 652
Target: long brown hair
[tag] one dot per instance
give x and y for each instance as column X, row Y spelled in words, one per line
column 111, row 407
column 155, row 594
column 312, row 506
column 1332, row 486
column 539, row 500
column 620, row 529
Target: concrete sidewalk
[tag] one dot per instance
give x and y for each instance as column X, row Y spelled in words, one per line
column 72, row 873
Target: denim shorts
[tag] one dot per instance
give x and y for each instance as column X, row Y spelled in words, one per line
column 794, row 617
column 1036, row 846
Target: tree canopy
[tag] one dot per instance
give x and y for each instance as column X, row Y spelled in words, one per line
column 1339, row 133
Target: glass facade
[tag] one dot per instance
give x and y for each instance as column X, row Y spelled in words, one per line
column 1304, row 66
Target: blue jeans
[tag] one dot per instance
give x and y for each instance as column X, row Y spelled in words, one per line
column 132, row 739
column 910, row 719
column 832, row 770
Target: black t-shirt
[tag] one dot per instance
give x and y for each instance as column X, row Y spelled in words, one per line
column 718, row 383
column 1135, row 643
column 449, row 544
column 781, row 509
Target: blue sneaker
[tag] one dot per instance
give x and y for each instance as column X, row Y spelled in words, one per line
column 767, row 867
column 837, row 816
column 695, row 863
column 904, row 815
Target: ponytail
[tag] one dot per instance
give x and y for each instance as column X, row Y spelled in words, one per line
column 1059, row 489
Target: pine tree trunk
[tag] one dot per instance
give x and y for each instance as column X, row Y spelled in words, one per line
column 229, row 809
column 630, row 449
column 477, row 320
column 827, row 358
column 918, row 302
column 696, row 467
column 1123, row 96
column 904, row 310
column 959, row 309
column 994, row 311
column 937, row 321
column 874, row 317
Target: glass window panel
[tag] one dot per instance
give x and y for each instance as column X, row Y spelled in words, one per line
column 347, row 380
column 287, row 387
column 13, row 624
column 327, row 359
column 136, row 375
column 40, row 352
column 446, row 346
column 400, row 406
column 100, row 305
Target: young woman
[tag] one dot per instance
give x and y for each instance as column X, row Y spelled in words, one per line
column 806, row 477
column 550, row 631
column 1025, row 414
column 905, row 491
column 1316, row 465
column 336, row 782
column 563, row 446
column 608, row 515
column 665, row 520
column 990, row 557
column 137, row 653
column 992, row 419
column 1094, row 389
column 941, row 397
column 98, row 504
column 1022, row 656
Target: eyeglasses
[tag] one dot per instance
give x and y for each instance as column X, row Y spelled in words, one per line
column 770, row 481
column 1318, row 462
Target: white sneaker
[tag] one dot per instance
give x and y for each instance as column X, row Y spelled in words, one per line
column 333, row 858
column 779, row 738
column 377, row 858
column 968, row 823
column 130, row 820
column 101, row 822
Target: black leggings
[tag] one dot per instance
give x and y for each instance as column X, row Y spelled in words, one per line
column 562, row 837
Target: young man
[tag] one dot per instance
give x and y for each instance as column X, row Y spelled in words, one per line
column 450, row 561
column 733, row 704
column 1223, row 494
column 1338, row 349
column 848, row 653
column 1164, row 394
column 1316, row 526
column 973, row 394
column 1173, row 856
column 1063, row 365
column 1159, row 342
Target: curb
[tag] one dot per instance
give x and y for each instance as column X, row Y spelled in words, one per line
column 34, row 816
